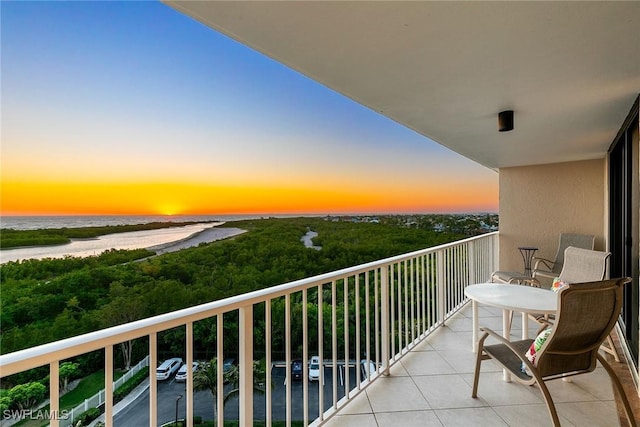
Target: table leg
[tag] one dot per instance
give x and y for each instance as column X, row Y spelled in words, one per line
column 527, row 257
column 525, row 326
column 506, row 331
column 474, row 310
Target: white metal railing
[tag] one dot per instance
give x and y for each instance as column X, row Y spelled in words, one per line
column 99, row 398
column 376, row 312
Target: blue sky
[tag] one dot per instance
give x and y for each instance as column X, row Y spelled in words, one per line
column 101, row 95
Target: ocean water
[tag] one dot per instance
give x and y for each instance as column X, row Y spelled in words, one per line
column 39, row 222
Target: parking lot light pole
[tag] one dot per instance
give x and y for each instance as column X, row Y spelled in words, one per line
column 177, row 400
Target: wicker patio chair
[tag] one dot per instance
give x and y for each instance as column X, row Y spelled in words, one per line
column 586, row 314
column 543, row 267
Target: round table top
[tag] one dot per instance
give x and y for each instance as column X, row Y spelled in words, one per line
column 520, row 298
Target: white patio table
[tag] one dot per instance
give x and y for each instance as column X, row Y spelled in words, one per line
column 510, row 297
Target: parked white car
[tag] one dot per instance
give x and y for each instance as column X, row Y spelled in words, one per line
column 314, row 369
column 367, row 365
column 181, row 376
column 168, row 368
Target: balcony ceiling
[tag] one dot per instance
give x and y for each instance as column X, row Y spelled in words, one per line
column 569, row 70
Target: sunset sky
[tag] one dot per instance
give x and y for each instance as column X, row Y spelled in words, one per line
column 133, row 108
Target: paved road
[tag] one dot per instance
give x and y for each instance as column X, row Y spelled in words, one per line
column 137, row 413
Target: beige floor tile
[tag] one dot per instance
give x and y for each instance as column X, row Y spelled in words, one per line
column 396, row 394
column 592, row 414
column 494, row 323
column 423, row 346
column 528, row 415
column 447, row 339
column 427, row 363
column 359, row 420
column 460, row 324
column 358, row 405
column 398, row 370
column 469, row 417
column 464, row 361
column 408, row 419
column 496, row 392
column 598, row 383
column 447, row 391
column 562, row 391
column 484, row 311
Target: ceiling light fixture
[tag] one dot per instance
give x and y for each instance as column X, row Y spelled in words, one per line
column 505, row 121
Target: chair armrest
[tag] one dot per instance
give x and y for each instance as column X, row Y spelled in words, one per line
column 531, row 282
column 508, row 344
column 544, row 273
column 546, row 262
column 499, row 337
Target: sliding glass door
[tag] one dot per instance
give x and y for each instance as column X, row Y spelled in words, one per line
column 624, row 217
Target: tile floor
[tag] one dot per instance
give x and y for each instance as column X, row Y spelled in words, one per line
column 431, row 386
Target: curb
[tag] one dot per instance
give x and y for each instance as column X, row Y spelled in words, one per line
column 131, row 397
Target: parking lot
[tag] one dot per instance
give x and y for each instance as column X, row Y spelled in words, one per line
column 137, row 413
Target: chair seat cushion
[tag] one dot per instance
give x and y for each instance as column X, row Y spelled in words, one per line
column 535, row 346
column 558, row 284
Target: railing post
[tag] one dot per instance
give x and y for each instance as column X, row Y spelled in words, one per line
column 54, row 393
column 287, row 357
column 440, row 285
column 358, row 350
column 305, row 357
column 384, row 318
column 320, row 353
column 189, row 409
column 220, row 367
column 246, row 366
column 108, row 385
column 495, row 253
column 345, row 284
column 334, row 343
column 153, row 383
column 471, row 261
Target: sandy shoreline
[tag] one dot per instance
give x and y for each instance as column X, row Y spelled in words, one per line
column 205, row 236
column 158, row 241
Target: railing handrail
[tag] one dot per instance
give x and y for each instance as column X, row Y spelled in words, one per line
column 60, row 350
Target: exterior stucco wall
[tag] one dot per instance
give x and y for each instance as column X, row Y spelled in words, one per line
column 537, row 203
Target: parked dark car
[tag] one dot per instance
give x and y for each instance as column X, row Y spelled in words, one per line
column 227, row 364
column 296, row 369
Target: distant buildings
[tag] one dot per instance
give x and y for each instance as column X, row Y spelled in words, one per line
column 469, row 224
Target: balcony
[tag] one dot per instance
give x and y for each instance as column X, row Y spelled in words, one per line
column 406, row 314
column 431, row 386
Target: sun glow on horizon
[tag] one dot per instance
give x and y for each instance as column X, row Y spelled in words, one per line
column 58, row 198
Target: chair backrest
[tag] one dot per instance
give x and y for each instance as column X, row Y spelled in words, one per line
column 584, row 241
column 586, row 314
column 583, row 265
